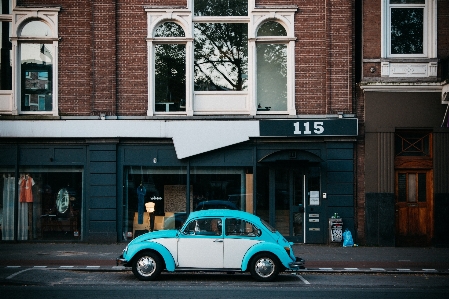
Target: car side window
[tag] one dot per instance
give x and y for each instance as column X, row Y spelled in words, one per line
column 205, row 226
column 240, row 227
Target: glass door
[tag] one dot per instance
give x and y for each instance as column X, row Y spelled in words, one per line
column 289, row 202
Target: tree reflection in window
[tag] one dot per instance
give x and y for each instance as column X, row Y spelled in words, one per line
column 221, row 56
column 170, row 70
column 221, row 8
column 407, row 26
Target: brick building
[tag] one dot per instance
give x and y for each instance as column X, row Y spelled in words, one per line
column 107, row 105
column 402, row 98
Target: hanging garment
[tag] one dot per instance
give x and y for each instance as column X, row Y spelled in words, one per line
column 141, row 191
column 26, row 191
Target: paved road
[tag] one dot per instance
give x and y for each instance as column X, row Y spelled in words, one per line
column 318, row 257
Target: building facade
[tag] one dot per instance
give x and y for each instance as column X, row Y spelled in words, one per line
column 403, row 94
column 108, row 105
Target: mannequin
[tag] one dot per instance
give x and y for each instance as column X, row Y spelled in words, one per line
column 141, row 191
column 150, row 209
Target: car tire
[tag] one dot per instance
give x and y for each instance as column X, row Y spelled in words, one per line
column 264, row 267
column 147, row 266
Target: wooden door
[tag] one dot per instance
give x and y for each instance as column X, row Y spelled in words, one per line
column 413, row 207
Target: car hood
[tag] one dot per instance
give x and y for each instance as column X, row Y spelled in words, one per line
column 155, row 235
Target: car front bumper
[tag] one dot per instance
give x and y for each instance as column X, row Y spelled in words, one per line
column 121, row 261
column 297, row 264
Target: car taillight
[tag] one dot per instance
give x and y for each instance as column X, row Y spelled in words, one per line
column 287, row 249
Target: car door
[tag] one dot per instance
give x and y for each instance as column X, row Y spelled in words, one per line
column 200, row 244
column 240, row 236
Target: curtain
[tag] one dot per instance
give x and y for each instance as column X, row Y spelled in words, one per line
column 8, row 208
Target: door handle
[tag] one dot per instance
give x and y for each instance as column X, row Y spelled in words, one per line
column 218, row 241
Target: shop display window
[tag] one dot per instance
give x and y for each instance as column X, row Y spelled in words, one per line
column 156, row 198
column 47, row 204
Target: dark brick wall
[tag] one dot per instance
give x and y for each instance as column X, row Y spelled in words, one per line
column 103, row 55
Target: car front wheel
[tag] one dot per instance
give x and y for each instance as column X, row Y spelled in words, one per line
column 147, row 266
column 264, row 267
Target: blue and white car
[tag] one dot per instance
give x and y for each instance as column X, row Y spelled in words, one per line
column 213, row 240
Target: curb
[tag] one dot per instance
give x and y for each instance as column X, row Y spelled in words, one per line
column 306, row 270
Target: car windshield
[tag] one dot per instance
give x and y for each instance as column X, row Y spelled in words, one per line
column 270, row 228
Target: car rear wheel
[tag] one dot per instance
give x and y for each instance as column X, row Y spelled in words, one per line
column 147, row 266
column 264, row 267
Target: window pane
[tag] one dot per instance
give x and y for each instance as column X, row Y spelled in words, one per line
column 169, row 29
column 272, row 77
column 5, row 61
column 412, row 144
column 402, row 187
column 36, row 29
column 422, row 187
column 218, row 188
column 239, row 227
column 221, row 56
column 411, row 194
column 166, row 187
column 5, row 6
column 221, row 7
column 407, row 29
column 407, row 1
column 170, row 73
column 36, row 80
column 50, row 202
column 271, row 28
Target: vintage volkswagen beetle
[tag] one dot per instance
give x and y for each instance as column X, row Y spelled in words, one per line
column 213, row 240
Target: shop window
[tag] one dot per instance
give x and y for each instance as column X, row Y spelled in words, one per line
column 219, row 187
column 166, row 188
column 210, row 188
column 49, row 204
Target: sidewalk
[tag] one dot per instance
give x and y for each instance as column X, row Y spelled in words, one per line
column 323, row 258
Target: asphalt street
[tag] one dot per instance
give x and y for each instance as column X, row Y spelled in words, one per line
column 322, row 258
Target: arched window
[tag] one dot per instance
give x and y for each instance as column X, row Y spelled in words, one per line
column 36, row 61
column 271, row 69
column 169, row 69
column 35, row 72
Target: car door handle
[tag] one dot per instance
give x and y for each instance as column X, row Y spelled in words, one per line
column 219, row 241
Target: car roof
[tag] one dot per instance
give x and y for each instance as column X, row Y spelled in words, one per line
column 223, row 203
column 224, row 213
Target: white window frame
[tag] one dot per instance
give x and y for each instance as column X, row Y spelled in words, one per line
column 22, row 16
column 219, row 102
column 430, row 29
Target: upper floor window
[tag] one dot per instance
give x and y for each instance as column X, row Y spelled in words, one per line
column 221, row 8
column 410, row 28
column 35, row 70
column 170, row 69
column 239, row 59
column 5, row 45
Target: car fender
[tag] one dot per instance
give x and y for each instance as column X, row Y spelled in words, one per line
column 149, row 245
column 275, row 249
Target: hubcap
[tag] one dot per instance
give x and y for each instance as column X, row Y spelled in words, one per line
column 146, row 266
column 265, row 267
